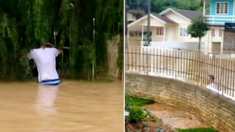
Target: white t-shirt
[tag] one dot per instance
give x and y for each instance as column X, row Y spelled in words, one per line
column 45, row 59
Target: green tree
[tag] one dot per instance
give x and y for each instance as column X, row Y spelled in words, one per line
column 160, row 5
column 65, row 23
column 198, row 29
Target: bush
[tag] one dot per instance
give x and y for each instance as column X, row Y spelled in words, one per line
column 136, row 114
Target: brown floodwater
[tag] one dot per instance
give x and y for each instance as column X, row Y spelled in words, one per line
column 73, row 106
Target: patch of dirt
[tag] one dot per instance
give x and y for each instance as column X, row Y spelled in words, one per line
column 175, row 118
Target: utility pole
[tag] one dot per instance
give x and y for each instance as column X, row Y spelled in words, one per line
column 93, row 62
column 148, row 29
column 138, row 9
column 125, row 29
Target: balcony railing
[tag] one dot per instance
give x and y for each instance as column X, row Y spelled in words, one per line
column 219, row 19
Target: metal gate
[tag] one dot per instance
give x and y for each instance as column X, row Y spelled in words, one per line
column 229, row 40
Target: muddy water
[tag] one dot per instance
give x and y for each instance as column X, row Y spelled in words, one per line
column 73, row 106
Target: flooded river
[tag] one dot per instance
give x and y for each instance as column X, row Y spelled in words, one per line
column 73, row 106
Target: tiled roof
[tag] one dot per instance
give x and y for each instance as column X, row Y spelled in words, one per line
column 164, row 18
column 188, row 14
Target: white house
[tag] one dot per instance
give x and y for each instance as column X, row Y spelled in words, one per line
column 169, row 28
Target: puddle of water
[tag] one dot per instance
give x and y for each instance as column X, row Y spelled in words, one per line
column 175, row 118
column 73, row 106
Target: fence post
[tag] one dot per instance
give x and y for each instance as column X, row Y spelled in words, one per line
column 219, row 86
column 200, row 59
column 233, row 77
column 176, row 66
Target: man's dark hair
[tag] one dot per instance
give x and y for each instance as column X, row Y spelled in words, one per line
column 212, row 77
column 49, row 45
column 37, row 44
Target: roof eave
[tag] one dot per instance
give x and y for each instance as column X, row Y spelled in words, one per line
column 169, row 9
column 144, row 17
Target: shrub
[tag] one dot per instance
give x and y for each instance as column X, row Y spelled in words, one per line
column 136, row 114
column 144, row 127
column 154, row 119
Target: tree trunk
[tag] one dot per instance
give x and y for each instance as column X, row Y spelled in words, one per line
column 199, row 44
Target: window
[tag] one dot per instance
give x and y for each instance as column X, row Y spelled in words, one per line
column 213, row 32
column 145, row 36
column 222, row 7
column 135, row 33
column 146, row 33
column 183, row 32
column 159, row 31
column 220, row 32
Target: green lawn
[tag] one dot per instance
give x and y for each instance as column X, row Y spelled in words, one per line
column 129, row 100
column 197, row 130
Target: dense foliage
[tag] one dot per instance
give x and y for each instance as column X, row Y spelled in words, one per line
column 65, row 23
column 159, row 5
column 136, row 114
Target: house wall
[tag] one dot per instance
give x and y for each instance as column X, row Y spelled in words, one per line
column 156, row 37
column 170, row 33
column 213, row 6
column 153, row 24
column 183, row 38
column 216, row 38
column 183, row 23
column 221, row 19
column 209, row 40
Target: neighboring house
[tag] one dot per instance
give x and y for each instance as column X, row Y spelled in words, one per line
column 130, row 17
column 221, row 20
column 135, row 11
column 168, row 26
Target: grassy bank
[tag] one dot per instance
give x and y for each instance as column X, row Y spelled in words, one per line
column 130, row 100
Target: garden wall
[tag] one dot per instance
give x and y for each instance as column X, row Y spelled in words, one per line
column 215, row 109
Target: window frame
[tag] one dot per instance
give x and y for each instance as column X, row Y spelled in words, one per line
column 220, row 32
column 183, row 34
column 160, row 32
column 220, row 3
column 212, row 32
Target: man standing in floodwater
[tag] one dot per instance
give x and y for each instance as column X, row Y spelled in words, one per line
column 45, row 59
